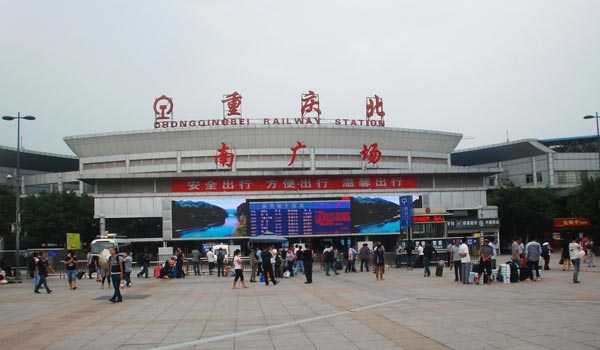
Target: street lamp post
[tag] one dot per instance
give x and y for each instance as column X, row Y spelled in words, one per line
column 597, row 135
column 18, row 190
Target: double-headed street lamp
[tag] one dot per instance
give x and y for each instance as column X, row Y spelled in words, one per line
column 597, row 135
column 18, row 190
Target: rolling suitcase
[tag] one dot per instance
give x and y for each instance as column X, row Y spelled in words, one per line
column 338, row 264
column 157, row 271
column 514, row 273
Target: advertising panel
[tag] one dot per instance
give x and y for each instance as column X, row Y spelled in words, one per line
column 218, row 218
column 374, row 215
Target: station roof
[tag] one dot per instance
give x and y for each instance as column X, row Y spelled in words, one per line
column 40, row 161
column 499, row 152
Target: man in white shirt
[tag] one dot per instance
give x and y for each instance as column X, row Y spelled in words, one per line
column 493, row 245
column 465, row 261
column 210, row 257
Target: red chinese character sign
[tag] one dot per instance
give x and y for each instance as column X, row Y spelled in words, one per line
column 310, row 103
column 370, row 154
column 294, row 183
column 163, row 108
column 232, row 104
column 224, row 157
column 375, row 106
column 299, row 145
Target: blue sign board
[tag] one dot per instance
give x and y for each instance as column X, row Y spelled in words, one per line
column 406, row 211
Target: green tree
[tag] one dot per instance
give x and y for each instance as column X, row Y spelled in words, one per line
column 584, row 201
column 7, row 211
column 524, row 213
column 47, row 217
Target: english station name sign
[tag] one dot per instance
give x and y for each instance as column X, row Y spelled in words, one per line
column 310, row 114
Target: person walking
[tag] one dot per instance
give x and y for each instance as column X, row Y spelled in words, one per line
column 379, row 260
column 329, row 255
column 71, row 267
column 42, row 268
column 455, row 258
column 428, row 252
column 237, row 266
column 307, row 258
column 268, row 266
column 576, row 253
column 588, row 247
column 90, row 263
column 127, row 268
column 116, row 274
column 546, row 250
column 145, row 265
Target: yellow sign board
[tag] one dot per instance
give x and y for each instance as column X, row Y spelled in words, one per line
column 73, row 241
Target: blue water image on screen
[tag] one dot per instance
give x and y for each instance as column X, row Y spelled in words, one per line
column 209, row 218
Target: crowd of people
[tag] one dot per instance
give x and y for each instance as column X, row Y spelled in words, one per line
column 268, row 263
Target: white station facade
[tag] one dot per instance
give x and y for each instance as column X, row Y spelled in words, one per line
column 217, row 181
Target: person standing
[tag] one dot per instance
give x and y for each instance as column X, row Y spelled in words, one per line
column 533, row 251
column 196, row 261
column 428, row 252
column 210, row 258
column 350, row 266
column 90, row 263
column 71, row 267
column 127, row 268
column 465, row 261
column 546, row 249
column 259, row 269
column 268, row 266
column 455, row 258
column 42, row 268
column 410, row 258
column 379, row 261
column 116, row 274
column 398, row 256
column 237, row 266
column 220, row 263
column 575, row 254
column 307, row 258
column 492, row 244
column 589, row 249
column 180, row 257
column 299, row 260
column 36, row 277
column 253, row 264
column 565, row 255
column 485, row 263
column 290, row 257
column 420, row 253
column 365, row 254
column 515, row 249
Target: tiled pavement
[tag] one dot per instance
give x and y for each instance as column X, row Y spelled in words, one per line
column 348, row 311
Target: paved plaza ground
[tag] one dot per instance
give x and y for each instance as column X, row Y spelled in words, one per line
column 348, row 311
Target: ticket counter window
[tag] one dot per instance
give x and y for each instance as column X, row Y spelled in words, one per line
column 429, row 230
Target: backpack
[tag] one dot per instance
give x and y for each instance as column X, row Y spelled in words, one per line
column 220, row 257
column 330, row 256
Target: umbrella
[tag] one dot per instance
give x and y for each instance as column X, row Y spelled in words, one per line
column 268, row 237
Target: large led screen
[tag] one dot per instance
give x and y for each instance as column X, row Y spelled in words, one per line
column 374, row 215
column 219, row 218
column 300, row 217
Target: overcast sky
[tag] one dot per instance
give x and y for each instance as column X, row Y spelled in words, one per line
column 479, row 68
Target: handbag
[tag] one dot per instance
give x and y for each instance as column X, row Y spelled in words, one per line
column 561, row 261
